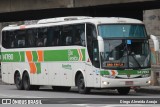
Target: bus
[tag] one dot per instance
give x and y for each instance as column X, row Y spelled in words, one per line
column 84, row 52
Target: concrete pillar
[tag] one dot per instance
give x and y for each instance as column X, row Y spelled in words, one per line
column 151, row 19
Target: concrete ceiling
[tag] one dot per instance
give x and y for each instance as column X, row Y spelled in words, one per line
column 15, row 10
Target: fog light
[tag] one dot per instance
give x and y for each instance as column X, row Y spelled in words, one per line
column 105, row 83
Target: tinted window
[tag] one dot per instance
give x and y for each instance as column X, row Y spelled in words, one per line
column 14, row 39
column 73, row 35
column 42, row 37
column 53, row 36
column 79, row 35
column 32, row 34
column 91, row 37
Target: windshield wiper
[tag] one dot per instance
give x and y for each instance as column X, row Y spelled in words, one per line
column 135, row 60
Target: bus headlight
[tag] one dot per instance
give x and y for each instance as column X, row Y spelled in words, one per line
column 149, row 82
column 105, row 83
column 108, row 76
column 145, row 75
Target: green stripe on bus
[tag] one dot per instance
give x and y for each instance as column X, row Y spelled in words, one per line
column 38, row 66
column 127, row 72
column 133, row 72
column 104, row 73
column 35, row 56
column 11, row 57
column 63, row 55
column 49, row 55
column 56, row 55
column 22, row 54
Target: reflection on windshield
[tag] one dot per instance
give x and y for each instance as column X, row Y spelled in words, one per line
column 126, row 54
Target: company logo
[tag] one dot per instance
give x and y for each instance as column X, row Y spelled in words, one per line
column 71, row 56
column 67, row 66
column 21, row 101
column 143, row 72
column 6, row 101
column 128, row 75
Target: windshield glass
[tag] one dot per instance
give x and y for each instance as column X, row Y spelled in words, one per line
column 122, row 30
column 126, row 54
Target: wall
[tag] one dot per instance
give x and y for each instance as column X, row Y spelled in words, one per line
column 81, row 3
column 151, row 19
column 21, row 5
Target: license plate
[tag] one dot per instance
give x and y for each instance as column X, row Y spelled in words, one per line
column 129, row 83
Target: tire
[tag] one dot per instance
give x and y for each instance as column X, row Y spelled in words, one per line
column 18, row 81
column 81, row 85
column 123, row 90
column 61, row 88
column 26, row 82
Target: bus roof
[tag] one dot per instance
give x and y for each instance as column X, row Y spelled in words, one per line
column 74, row 20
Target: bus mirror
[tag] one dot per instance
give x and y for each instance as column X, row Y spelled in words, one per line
column 155, row 42
column 100, row 44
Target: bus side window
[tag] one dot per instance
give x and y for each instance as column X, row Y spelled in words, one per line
column 41, row 37
column 57, row 36
column 79, row 35
column 68, row 40
column 31, row 37
column 14, row 40
column 10, row 40
column 50, row 36
column 6, row 39
column 20, row 39
column 67, row 34
column 53, row 36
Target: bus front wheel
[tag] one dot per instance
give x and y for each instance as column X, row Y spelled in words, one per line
column 81, row 85
column 123, row 90
column 18, row 81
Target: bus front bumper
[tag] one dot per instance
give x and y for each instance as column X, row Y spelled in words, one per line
column 135, row 82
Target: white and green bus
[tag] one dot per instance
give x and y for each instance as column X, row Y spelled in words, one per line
column 87, row 52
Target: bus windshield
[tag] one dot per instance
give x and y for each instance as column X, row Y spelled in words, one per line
column 126, row 54
column 122, row 30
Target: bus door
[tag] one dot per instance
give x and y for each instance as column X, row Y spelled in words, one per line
column 92, row 71
column 89, row 78
column 92, row 64
column 96, row 64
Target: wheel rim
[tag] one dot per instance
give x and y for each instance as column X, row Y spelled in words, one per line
column 18, row 80
column 26, row 81
column 81, row 83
